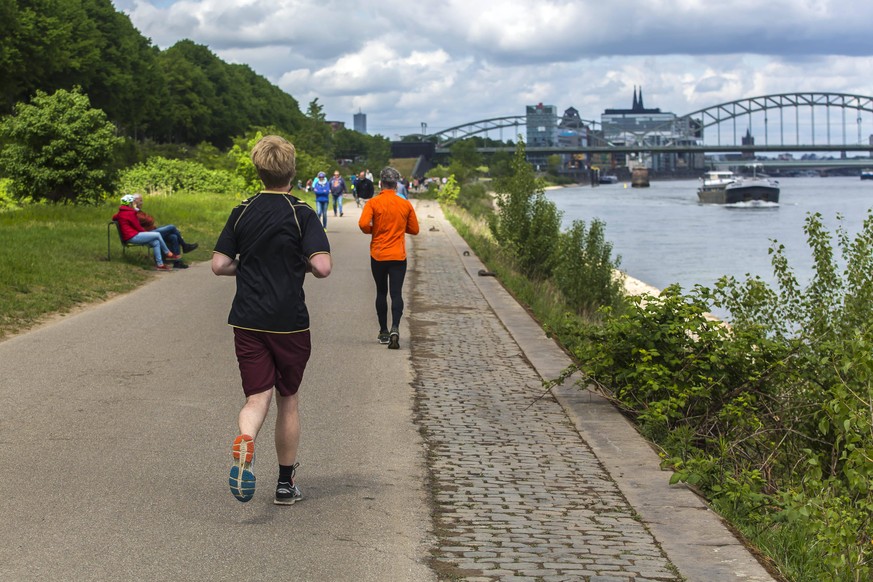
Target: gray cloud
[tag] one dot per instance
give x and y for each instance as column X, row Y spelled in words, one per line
column 450, row 62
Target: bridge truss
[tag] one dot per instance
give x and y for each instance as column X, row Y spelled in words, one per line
column 814, row 119
column 518, row 123
column 794, row 121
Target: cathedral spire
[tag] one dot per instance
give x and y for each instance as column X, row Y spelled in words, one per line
column 634, row 106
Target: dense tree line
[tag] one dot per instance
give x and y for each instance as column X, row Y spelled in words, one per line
column 70, row 64
column 184, row 94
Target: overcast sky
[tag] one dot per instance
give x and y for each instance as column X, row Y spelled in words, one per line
column 450, row 62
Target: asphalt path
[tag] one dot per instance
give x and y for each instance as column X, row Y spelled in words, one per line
column 116, row 425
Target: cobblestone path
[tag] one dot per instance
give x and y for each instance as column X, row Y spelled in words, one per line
column 518, row 495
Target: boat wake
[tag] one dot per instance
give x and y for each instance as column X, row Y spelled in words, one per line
column 753, row 204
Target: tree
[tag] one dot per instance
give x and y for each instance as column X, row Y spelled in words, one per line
column 123, row 78
column 315, row 136
column 185, row 94
column 585, row 271
column 500, row 165
column 511, row 224
column 59, row 149
column 554, row 163
column 465, row 154
column 448, row 193
column 191, row 107
column 315, row 111
column 378, row 152
column 348, row 144
column 39, row 49
column 527, row 224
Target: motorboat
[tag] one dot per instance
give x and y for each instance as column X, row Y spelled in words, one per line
column 867, row 174
column 608, row 179
column 724, row 187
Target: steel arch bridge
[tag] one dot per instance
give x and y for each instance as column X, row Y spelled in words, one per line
column 813, row 120
column 447, row 137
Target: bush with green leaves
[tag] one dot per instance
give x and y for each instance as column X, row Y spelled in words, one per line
column 244, row 168
column 307, row 166
column 585, row 271
column 769, row 416
column 7, row 202
column 448, row 192
column 163, row 176
column 59, row 149
column 476, row 199
column 526, row 225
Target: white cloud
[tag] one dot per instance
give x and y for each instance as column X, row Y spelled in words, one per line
column 455, row 61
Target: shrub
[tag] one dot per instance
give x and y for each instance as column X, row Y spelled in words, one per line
column 537, row 255
column 58, row 149
column 163, row 176
column 770, row 416
column 526, row 224
column 448, row 192
column 475, row 199
column 7, row 202
column 585, row 271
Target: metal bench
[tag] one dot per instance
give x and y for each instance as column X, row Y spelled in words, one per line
column 124, row 244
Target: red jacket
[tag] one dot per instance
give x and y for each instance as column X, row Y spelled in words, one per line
column 128, row 222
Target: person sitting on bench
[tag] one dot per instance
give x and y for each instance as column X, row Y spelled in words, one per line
column 171, row 234
column 133, row 233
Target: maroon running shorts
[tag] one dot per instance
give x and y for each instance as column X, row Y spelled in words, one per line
column 271, row 359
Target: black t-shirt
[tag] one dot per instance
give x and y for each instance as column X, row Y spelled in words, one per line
column 274, row 235
column 364, row 188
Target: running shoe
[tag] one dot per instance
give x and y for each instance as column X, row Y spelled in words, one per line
column 383, row 337
column 242, row 476
column 287, row 493
column 394, row 340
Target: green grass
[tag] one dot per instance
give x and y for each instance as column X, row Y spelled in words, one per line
column 53, row 258
column 402, row 165
column 542, row 300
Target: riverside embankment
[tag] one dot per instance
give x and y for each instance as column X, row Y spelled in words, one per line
column 440, row 460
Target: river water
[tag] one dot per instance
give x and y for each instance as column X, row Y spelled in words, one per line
column 665, row 236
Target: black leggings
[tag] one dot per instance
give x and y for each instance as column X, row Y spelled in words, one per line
column 389, row 277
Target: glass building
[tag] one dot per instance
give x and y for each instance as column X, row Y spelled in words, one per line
column 360, row 121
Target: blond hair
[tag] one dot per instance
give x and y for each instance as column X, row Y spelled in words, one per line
column 275, row 160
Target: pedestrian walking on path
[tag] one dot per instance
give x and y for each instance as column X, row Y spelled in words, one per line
column 363, row 189
column 388, row 218
column 270, row 242
column 337, row 189
column 321, row 187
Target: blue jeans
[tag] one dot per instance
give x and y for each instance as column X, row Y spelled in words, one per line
column 172, row 237
column 321, row 210
column 154, row 240
column 337, row 201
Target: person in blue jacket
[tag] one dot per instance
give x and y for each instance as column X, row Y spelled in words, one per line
column 321, row 187
column 337, row 189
